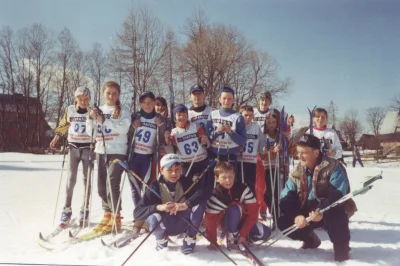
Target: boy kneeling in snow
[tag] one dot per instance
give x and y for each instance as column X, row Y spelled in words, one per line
column 314, row 184
column 233, row 207
column 170, row 205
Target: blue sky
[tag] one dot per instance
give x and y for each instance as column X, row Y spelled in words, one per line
column 345, row 51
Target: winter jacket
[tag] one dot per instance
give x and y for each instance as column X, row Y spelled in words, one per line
column 222, row 199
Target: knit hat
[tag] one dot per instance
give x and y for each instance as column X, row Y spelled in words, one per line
column 308, row 140
column 264, row 95
column 180, row 107
column 147, row 94
column 82, row 91
column 195, row 88
column 169, row 159
column 227, row 89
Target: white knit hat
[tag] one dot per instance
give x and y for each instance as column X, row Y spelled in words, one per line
column 82, row 91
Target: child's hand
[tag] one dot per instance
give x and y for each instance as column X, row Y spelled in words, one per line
column 243, row 241
column 53, row 143
column 240, row 149
column 220, row 128
column 158, row 121
column 165, row 207
column 330, row 153
column 276, row 149
column 228, row 129
column 177, row 208
column 137, row 123
column 167, row 136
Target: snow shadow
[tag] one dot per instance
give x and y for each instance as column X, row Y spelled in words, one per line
column 375, row 223
column 22, row 168
column 390, row 236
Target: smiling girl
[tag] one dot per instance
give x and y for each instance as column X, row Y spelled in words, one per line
column 112, row 122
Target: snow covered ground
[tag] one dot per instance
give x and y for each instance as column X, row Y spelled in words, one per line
column 28, row 190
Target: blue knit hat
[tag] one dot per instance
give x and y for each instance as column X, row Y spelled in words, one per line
column 146, row 94
column 227, row 89
column 180, row 107
column 195, row 88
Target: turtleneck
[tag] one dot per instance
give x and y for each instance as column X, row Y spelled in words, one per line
column 263, row 112
column 80, row 110
column 147, row 115
column 319, row 128
column 198, row 109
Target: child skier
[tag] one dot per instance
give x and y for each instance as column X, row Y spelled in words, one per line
column 226, row 129
column 330, row 143
column 167, row 200
column 199, row 111
column 254, row 146
column 233, row 207
column 147, row 124
column 74, row 123
column 111, row 124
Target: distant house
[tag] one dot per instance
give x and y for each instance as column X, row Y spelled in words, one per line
column 368, row 142
column 22, row 123
column 388, row 140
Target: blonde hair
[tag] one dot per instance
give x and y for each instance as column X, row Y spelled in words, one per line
column 115, row 85
column 222, row 167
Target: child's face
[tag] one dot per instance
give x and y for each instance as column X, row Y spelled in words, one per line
column 226, row 179
column 181, row 117
column 271, row 124
column 226, row 100
column 173, row 173
column 248, row 117
column 160, row 108
column 82, row 101
column 263, row 104
column 320, row 119
column 197, row 98
column 111, row 96
column 147, row 105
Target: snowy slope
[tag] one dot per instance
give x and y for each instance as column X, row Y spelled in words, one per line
column 28, row 189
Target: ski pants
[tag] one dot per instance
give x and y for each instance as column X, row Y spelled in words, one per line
column 249, row 171
column 357, row 160
column 335, row 222
column 231, row 223
column 140, row 164
column 196, row 170
column 109, row 193
column 77, row 155
column 171, row 225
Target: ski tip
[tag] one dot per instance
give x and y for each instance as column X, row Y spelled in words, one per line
column 41, row 236
column 103, row 243
column 115, row 245
column 70, row 235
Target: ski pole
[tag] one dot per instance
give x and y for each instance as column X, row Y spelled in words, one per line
column 62, row 170
column 88, row 180
column 366, row 187
column 191, row 164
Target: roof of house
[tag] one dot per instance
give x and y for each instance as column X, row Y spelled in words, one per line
column 393, row 137
column 391, row 123
column 368, row 142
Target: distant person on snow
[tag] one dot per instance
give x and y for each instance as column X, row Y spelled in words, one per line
column 315, row 183
column 74, row 123
column 356, row 156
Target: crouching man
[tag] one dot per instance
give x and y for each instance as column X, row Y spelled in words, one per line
column 314, row 184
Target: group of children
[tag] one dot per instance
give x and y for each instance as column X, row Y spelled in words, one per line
column 219, row 165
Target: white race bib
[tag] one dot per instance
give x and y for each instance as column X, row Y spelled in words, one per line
column 145, row 136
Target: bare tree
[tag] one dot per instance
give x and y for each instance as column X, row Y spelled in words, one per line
column 139, row 50
column 332, row 110
column 395, row 103
column 351, row 127
column 40, row 45
column 375, row 116
column 64, row 57
column 98, row 68
column 219, row 55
